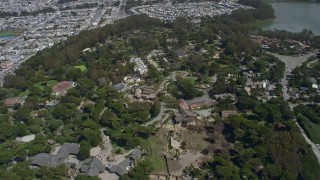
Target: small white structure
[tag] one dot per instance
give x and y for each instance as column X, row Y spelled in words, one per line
column 316, row 86
column 25, row 139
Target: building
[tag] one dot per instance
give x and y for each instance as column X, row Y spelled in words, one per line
column 200, row 102
column 139, row 65
column 53, row 160
column 145, row 92
column 118, row 86
column 93, row 168
column 126, row 164
column 196, row 103
column 227, row 113
column 102, row 81
column 11, row 102
column 183, row 104
column 6, row 64
column 181, row 53
column 61, row 88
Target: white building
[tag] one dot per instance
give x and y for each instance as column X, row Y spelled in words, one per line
column 139, row 65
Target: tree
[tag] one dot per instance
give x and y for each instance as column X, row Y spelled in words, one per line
column 140, row 172
column 84, row 152
column 92, row 136
column 84, row 177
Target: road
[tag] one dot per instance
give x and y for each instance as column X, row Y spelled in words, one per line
column 162, row 115
column 292, row 62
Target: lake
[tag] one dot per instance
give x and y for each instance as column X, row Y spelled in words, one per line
column 295, row 16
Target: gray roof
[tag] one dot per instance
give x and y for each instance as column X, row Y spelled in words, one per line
column 117, row 169
column 119, row 86
column 102, row 81
column 136, row 153
column 123, row 166
column 187, row 113
column 93, row 168
column 50, row 160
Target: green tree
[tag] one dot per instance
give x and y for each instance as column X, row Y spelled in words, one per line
column 84, row 152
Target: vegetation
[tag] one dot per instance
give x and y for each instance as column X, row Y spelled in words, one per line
column 309, row 119
column 267, row 143
column 6, row 33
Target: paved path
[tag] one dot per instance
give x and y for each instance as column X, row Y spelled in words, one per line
column 293, row 61
column 161, row 116
column 313, row 146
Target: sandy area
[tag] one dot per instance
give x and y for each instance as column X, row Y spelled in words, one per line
column 95, row 151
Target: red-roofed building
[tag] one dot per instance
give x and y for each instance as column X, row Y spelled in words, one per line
column 6, row 64
column 11, row 102
column 183, row 104
column 61, row 88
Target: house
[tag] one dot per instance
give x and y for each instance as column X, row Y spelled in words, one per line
column 11, row 102
column 196, row 103
column 118, row 86
column 61, row 88
column 93, row 168
column 51, row 103
column 51, row 142
column 126, row 164
column 183, row 104
column 139, row 65
column 181, row 53
column 53, row 160
column 145, row 92
column 6, row 64
column 227, row 113
column 102, row 81
column 200, row 102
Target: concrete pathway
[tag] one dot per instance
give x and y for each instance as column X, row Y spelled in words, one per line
column 315, row 149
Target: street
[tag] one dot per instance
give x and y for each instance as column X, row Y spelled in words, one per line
column 291, row 63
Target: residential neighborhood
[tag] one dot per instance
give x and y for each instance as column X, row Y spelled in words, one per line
column 152, row 89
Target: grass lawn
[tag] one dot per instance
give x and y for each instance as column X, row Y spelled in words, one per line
column 153, row 148
column 312, row 130
column 81, row 67
column 23, row 94
column 44, row 84
column 192, row 79
column 41, row 85
column 52, row 83
column 6, row 33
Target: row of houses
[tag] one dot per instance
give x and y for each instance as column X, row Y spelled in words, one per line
column 67, row 155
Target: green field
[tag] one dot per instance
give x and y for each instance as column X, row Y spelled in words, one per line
column 192, row 79
column 82, row 68
column 43, row 84
column 25, row 93
column 6, row 33
column 153, row 148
